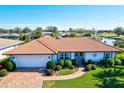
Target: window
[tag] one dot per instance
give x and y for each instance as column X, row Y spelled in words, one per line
column 65, row 55
column 81, row 54
column 107, row 55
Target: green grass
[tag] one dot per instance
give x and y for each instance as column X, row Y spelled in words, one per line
column 105, row 34
column 92, row 79
column 66, row 71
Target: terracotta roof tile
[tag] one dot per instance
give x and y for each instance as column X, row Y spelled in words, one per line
column 52, row 46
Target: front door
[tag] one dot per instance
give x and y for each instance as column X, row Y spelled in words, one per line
column 79, row 58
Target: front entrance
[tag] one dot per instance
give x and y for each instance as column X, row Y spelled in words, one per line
column 79, row 57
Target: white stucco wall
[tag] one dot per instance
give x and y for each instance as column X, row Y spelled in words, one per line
column 99, row 56
column 5, row 50
column 31, row 60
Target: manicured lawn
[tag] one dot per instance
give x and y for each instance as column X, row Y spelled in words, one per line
column 66, row 71
column 92, row 79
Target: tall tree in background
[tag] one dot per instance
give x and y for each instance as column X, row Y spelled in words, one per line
column 26, row 30
column 119, row 31
column 38, row 32
column 70, row 30
column 54, row 30
column 18, row 30
column 93, row 31
column 80, row 30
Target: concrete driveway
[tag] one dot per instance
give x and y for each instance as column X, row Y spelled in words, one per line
column 23, row 78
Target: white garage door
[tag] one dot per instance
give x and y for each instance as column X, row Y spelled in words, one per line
column 32, row 60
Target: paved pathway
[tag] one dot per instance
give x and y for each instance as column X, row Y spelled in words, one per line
column 32, row 78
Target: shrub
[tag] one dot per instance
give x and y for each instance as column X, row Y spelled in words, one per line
column 89, row 62
column 3, row 72
column 109, row 62
column 14, row 66
column 50, row 72
column 72, row 67
column 88, row 67
column 10, row 66
column 73, row 62
column 4, row 61
column 117, row 62
column 94, row 67
column 67, row 63
column 58, row 68
column 61, row 62
column 51, row 65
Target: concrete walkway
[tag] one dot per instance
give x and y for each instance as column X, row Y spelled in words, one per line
column 32, row 78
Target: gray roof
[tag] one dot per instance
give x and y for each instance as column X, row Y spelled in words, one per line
column 4, row 43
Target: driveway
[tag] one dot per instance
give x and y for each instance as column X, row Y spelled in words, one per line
column 23, row 78
column 32, row 78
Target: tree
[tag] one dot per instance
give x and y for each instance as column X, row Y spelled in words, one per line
column 70, row 30
column 80, row 30
column 119, row 31
column 26, row 30
column 93, row 32
column 17, row 30
column 38, row 32
column 73, row 34
column 27, row 39
column 52, row 29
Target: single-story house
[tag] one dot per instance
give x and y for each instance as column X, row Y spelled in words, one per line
column 7, row 44
column 38, row 52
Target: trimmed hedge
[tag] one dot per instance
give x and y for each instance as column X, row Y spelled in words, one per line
column 10, row 66
column 3, row 72
column 61, row 62
column 117, row 61
column 4, row 61
column 109, row 62
column 51, row 65
column 67, row 63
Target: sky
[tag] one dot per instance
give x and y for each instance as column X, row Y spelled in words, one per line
column 62, row 16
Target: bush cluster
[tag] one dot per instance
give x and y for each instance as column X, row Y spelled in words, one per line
column 67, row 63
column 3, row 72
column 117, row 61
column 52, row 67
column 109, row 62
column 6, row 65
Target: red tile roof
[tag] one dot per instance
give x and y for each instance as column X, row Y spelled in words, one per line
column 51, row 45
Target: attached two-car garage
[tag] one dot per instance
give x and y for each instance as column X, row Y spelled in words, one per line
column 31, row 60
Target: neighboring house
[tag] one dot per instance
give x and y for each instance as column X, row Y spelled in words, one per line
column 9, row 35
column 6, row 45
column 38, row 52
